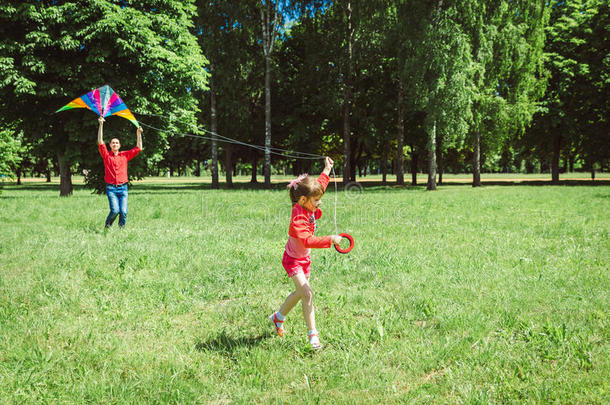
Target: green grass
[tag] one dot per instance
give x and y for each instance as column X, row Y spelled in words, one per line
column 497, row 294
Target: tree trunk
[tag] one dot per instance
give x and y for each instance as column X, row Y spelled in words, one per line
column 414, row 168
column 254, row 164
column 432, row 157
column 357, row 151
column 18, row 177
column 440, row 160
column 48, row 174
column 384, row 165
column 267, row 123
column 347, row 98
column 296, row 167
column 229, row 165
column 440, row 169
column 432, row 132
column 65, row 177
column 555, row 162
column 214, row 128
column 400, row 178
column 476, row 164
column 269, row 30
column 591, row 166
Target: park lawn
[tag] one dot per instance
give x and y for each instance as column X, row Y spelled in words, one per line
column 494, row 294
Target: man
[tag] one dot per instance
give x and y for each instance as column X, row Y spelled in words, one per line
column 115, row 173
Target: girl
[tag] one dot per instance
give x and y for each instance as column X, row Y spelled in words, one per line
column 305, row 193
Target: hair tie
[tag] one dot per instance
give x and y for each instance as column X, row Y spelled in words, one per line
column 294, row 183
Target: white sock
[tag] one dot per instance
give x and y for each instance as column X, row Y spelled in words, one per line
column 280, row 316
column 315, row 338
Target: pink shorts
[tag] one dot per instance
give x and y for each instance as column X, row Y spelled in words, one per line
column 294, row 266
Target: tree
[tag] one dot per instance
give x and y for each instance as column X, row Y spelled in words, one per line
column 272, row 17
column 574, row 110
column 60, row 50
column 226, row 32
column 508, row 76
column 439, row 71
column 309, row 109
column 10, row 151
column 596, row 107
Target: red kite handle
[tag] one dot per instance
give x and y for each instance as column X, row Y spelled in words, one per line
column 351, row 243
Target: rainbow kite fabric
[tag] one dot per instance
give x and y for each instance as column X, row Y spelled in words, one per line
column 103, row 101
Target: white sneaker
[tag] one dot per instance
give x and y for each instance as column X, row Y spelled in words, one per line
column 314, row 340
column 279, row 325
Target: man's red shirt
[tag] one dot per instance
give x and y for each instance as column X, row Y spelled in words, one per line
column 115, row 166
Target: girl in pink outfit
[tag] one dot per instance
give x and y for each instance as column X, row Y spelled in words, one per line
column 306, row 194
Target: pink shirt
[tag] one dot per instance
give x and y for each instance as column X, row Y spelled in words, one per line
column 302, row 228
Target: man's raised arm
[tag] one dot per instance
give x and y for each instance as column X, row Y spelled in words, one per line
column 100, row 135
column 139, row 138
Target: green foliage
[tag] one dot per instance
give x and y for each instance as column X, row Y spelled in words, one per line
column 476, row 69
column 10, row 148
column 60, row 50
column 575, row 107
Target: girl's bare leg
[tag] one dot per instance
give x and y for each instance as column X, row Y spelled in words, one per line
column 304, row 293
column 289, row 303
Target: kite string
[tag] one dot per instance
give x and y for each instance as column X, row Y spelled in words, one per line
column 231, row 140
column 335, row 181
column 258, row 147
column 236, row 142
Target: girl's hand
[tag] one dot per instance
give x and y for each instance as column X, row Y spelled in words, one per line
column 328, row 163
column 101, row 120
column 139, row 131
column 336, row 239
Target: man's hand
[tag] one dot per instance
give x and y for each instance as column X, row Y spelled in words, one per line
column 100, row 135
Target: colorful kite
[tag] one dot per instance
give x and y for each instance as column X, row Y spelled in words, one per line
column 103, row 101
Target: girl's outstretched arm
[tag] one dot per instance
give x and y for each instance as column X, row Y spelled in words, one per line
column 328, row 164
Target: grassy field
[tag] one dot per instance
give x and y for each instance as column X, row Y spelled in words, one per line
column 496, row 294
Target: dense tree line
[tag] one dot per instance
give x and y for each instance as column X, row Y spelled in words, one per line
column 385, row 86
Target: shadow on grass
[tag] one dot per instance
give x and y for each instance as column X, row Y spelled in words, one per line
column 533, row 183
column 39, row 187
column 226, row 344
column 353, row 186
column 204, row 186
column 168, row 188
